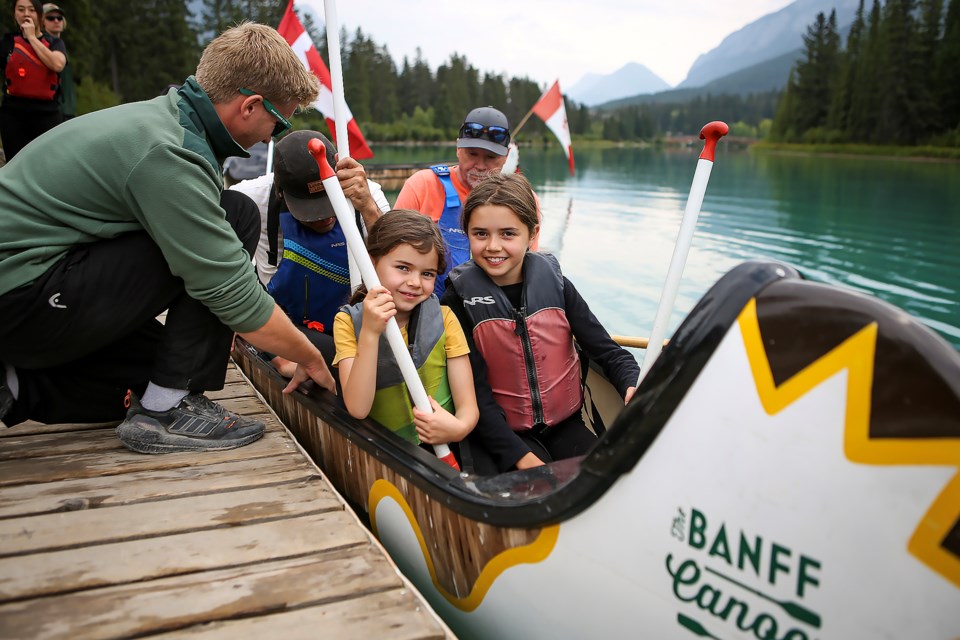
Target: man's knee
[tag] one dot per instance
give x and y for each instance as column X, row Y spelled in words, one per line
column 244, row 216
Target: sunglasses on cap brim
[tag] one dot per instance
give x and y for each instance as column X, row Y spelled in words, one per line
column 499, row 135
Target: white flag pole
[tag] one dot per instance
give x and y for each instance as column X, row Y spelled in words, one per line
column 711, row 133
column 339, row 113
column 398, row 345
column 270, row 156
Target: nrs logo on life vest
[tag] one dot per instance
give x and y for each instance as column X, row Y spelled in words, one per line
column 479, row 300
column 718, row 581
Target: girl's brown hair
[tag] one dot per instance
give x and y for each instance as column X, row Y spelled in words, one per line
column 403, row 226
column 509, row 190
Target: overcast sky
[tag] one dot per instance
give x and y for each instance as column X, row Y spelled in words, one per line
column 549, row 39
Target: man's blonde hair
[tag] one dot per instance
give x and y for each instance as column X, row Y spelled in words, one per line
column 255, row 57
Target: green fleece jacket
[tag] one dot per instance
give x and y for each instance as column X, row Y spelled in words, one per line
column 149, row 166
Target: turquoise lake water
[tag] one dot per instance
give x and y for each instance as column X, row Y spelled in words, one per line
column 890, row 228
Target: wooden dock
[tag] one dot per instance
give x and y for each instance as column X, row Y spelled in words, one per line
column 100, row 542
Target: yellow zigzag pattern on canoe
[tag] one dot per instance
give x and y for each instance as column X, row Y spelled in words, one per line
column 536, row 551
column 856, row 354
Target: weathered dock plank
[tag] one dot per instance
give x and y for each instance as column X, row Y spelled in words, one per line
column 99, row 526
column 144, row 486
column 134, row 609
column 99, row 542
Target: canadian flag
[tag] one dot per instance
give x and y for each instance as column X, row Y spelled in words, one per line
column 299, row 40
column 551, row 110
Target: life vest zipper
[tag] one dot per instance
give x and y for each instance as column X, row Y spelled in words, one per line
column 528, row 365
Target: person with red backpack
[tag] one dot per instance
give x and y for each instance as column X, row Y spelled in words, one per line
column 32, row 62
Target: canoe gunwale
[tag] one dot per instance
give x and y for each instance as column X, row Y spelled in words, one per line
column 560, row 490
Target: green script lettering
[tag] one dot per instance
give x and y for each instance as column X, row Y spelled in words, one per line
column 775, row 551
column 707, row 598
column 771, row 627
column 687, row 573
column 753, row 555
column 729, row 608
column 720, row 546
column 698, row 525
column 803, row 578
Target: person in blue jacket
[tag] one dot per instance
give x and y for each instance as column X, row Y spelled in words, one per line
column 302, row 254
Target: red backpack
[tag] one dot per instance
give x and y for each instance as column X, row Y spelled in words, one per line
column 27, row 76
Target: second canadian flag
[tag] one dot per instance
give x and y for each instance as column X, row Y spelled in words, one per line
column 551, row 110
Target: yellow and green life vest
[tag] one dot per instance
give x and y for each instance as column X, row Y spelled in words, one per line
column 392, row 406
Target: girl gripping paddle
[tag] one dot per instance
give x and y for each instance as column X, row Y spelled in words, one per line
column 407, row 252
column 522, row 316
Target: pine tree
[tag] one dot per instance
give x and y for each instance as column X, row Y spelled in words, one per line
column 948, row 70
column 493, row 91
column 416, row 87
column 816, row 73
column 358, row 62
column 838, row 118
column 459, row 84
column 927, row 41
column 385, row 105
column 867, row 86
column 219, row 15
column 784, row 126
column 900, row 110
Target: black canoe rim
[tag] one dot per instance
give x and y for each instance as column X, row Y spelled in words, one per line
column 558, row 491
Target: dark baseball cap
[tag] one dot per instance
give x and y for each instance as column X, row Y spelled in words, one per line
column 296, row 173
column 485, row 128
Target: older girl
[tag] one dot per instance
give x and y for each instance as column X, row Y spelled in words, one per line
column 32, row 62
column 522, row 316
column 408, row 253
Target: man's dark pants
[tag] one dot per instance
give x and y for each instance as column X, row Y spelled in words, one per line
column 86, row 331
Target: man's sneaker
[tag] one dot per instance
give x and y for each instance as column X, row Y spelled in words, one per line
column 197, row 423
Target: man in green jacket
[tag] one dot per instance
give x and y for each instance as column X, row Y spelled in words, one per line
column 117, row 218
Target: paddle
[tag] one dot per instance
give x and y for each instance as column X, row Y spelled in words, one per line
column 339, row 112
column 398, row 345
column 634, row 341
column 711, row 133
column 797, row 611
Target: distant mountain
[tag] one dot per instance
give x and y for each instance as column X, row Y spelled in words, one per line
column 629, row 80
column 770, row 75
column 772, row 36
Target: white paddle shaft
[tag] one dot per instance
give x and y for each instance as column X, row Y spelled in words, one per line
column 340, row 114
column 398, row 345
column 677, row 262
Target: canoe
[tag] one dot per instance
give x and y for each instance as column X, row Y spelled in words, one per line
column 787, row 469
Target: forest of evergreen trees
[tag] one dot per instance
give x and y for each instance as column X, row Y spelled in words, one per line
column 897, row 80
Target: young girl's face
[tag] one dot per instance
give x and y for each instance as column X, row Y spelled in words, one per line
column 409, row 275
column 498, row 242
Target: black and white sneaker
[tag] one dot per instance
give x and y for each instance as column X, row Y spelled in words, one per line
column 197, row 423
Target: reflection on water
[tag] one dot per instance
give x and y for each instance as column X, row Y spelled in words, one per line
column 890, row 228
